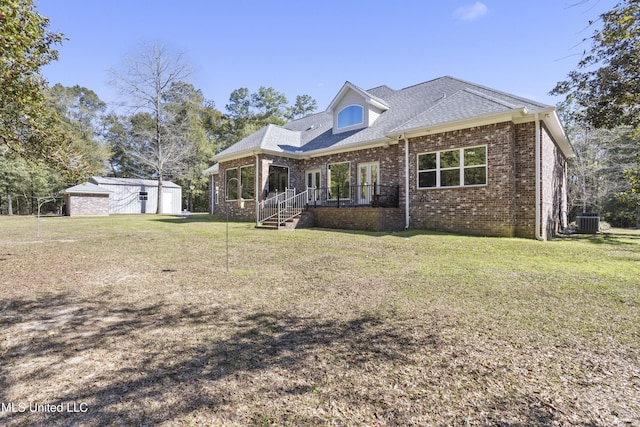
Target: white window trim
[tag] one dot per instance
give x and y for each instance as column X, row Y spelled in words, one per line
column 461, row 168
column 354, row 125
column 313, row 171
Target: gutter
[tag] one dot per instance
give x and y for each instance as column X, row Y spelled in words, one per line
column 538, row 157
column 406, row 181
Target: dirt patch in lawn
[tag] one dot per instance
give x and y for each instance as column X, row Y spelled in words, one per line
column 351, row 330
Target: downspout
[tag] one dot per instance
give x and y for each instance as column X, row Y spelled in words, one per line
column 538, row 154
column 406, row 181
column 256, row 186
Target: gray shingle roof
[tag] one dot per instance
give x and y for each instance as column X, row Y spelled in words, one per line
column 442, row 100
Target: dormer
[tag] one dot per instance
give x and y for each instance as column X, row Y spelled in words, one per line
column 354, row 108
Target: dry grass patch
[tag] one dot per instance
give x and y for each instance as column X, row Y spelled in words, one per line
column 137, row 319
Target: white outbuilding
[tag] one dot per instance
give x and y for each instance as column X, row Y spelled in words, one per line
column 139, row 196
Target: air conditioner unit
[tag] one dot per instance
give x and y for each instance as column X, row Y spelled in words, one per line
column 588, row 223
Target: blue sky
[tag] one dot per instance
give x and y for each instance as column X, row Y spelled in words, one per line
column 313, row 47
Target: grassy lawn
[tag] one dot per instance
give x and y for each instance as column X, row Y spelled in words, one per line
column 135, row 320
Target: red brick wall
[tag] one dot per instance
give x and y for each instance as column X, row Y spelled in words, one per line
column 246, row 212
column 360, row 218
column 87, row 204
column 390, row 159
column 484, row 210
column 503, row 207
column 390, row 164
column 525, row 180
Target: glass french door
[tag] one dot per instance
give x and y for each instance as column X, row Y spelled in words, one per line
column 313, row 183
column 368, row 181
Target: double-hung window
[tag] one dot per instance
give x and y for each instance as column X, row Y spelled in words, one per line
column 461, row 167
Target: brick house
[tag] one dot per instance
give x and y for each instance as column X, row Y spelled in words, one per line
column 445, row 154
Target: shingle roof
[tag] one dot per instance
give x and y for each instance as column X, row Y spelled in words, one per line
column 131, row 181
column 211, row 170
column 442, row 100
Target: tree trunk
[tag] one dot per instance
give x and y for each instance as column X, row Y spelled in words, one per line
column 9, row 204
column 159, row 208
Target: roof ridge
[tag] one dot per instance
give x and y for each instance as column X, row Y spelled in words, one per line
column 377, row 98
column 379, row 86
column 437, row 103
column 267, row 128
column 500, row 92
column 490, row 98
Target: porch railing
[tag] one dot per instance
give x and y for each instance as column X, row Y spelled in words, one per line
column 282, row 207
column 291, row 207
column 268, row 208
column 372, row 195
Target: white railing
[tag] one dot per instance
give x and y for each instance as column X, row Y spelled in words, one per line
column 291, row 207
column 282, row 206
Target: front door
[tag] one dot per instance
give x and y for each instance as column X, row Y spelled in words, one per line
column 368, row 181
column 313, row 183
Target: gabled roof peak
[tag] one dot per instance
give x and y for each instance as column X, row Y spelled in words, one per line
column 368, row 97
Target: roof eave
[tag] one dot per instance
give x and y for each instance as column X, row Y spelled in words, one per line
column 380, row 142
column 252, row 152
column 375, row 143
column 554, row 124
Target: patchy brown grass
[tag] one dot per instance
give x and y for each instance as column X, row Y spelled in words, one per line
column 136, row 321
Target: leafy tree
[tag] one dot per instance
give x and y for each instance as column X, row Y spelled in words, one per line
column 239, row 106
column 27, row 126
column 248, row 112
column 596, row 175
column 115, row 134
column 606, row 86
column 631, row 197
column 189, row 106
column 270, row 105
column 162, row 144
column 304, row 106
column 23, row 181
column 81, row 110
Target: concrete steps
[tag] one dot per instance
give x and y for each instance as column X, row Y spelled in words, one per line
column 300, row 221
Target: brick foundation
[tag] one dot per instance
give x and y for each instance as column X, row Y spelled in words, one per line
column 368, row 219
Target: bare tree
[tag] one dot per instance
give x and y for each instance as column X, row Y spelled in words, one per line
column 145, row 81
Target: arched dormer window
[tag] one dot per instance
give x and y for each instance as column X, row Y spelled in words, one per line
column 351, row 115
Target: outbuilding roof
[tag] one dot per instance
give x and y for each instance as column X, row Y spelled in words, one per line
column 86, row 188
column 131, row 181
